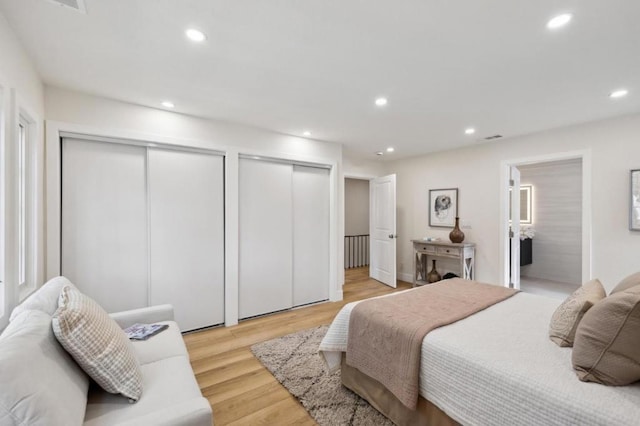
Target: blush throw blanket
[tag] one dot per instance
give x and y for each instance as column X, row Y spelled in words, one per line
column 385, row 334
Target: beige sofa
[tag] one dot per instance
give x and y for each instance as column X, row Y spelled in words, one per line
column 40, row 384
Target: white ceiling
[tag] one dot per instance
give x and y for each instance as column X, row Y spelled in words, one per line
column 291, row 65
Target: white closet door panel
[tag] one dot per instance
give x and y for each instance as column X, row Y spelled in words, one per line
column 310, row 235
column 104, row 222
column 186, row 213
column 265, row 243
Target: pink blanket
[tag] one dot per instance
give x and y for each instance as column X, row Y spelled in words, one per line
column 385, row 335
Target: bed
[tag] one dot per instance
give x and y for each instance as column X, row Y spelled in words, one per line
column 496, row 367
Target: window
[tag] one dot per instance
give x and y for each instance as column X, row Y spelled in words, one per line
column 23, row 179
column 23, row 166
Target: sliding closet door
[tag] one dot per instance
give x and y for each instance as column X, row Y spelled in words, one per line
column 104, row 222
column 310, row 235
column 186, row 216
column 265, row 243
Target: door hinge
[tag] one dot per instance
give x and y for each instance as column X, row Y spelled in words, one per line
column 512, row 182
column 510, row 233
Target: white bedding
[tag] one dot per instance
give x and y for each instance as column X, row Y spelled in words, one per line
column 498, row 367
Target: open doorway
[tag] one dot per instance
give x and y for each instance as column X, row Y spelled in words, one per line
column 552, row 221
column 356, row 225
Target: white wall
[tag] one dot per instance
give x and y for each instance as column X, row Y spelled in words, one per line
column 17, row 70
column 356, row 207
column 77, row 112
column 21, row 91
column 476, row 171
column 356, row 167
column 557, row 220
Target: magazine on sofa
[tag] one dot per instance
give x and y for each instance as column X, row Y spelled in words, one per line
column 144, row 331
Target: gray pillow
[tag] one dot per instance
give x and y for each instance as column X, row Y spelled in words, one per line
column 631, row 281
column 607, row 342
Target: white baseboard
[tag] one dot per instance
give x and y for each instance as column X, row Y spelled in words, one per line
column 402, row 276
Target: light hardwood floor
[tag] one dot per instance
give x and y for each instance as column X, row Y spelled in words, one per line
column 241, row 391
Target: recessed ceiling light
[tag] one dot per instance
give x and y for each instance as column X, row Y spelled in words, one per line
column 379, row 153
column 306, row 133
column 469, row 131
column 195, row 35
column 621, row 93
column 559, row 21
column 390, row 149
column 381, row 101
column 168, row 104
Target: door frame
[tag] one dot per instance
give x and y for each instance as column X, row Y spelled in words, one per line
column 359, row 176
column 585, row 156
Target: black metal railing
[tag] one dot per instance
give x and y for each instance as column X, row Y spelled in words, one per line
column 356, row 251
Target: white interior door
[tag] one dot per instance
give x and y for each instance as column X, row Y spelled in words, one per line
column 310, row 235
column 104, row 222
column 383, row 229
column 514, row 234
column 186, row 235
column 265, row 237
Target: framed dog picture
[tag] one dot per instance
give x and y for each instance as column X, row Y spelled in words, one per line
column 443, row 207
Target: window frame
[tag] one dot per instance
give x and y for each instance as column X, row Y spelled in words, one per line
column 26, row 209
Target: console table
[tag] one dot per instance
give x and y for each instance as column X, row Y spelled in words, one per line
column 423, row 251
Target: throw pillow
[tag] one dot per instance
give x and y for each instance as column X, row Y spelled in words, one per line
column 44, row 299
column 566, row 318
column 607, row 344
column 630, row 281
column 39, row 382
column 96, row 342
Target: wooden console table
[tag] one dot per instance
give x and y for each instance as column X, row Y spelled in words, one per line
column 423, row 250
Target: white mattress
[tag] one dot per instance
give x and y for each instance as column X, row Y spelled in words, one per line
column 498, row 367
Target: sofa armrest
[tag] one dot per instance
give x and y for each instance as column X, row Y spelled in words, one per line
column 143, row 315
column 195, row 412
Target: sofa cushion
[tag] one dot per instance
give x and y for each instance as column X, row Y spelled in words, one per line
column 607, row 345
column 39, row 382
column 566, row 318
column 96, row 342
column 165, row 344
column 167, row 383
column 44, row 299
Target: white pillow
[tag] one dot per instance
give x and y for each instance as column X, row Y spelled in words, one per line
column 39, row 382
column 97, row 344
column 44, row 299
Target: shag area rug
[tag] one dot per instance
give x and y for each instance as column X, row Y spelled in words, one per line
column 294, row 361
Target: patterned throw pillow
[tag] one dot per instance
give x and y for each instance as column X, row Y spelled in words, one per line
column 97, row 344
column 565, row 319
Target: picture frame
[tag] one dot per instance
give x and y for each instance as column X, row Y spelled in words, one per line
column 634, row 200
column 443, row 207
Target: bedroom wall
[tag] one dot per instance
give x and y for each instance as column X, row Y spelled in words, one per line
column 557, row 220
column 476, row 171
column 20, row 89
column 356, row 207
column 18, row 71
column 65, row 106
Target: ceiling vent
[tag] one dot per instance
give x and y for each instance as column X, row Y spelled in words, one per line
column 77, row 5
column 490, row 138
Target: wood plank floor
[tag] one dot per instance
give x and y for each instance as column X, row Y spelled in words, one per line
column 241, row 391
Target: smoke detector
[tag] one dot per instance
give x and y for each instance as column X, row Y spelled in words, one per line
column 77, row 5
